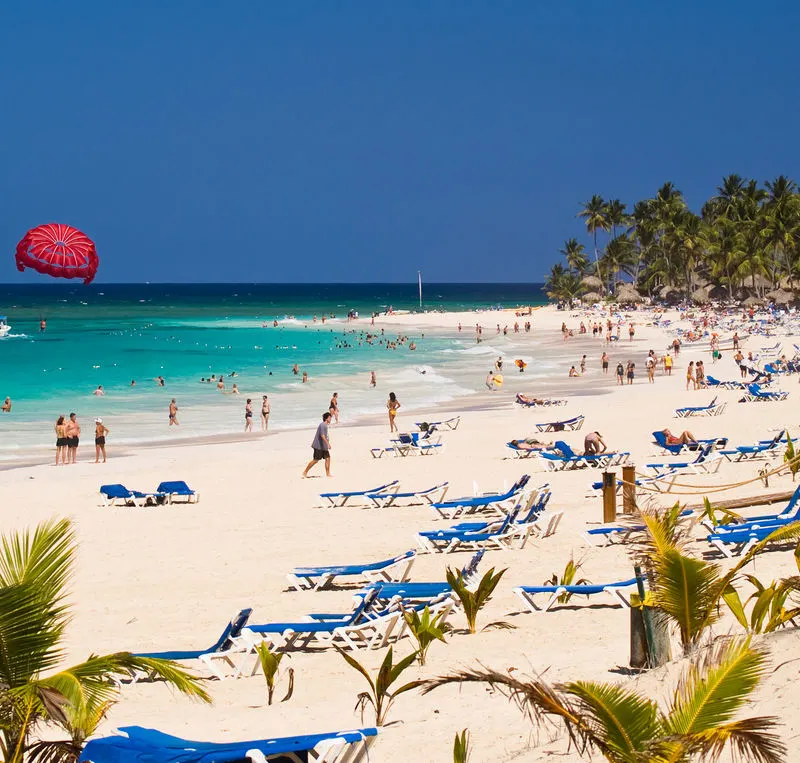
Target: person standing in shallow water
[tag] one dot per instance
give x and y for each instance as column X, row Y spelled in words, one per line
column 248, row 415
column 333, row 408
column 321, row 445
column 173, row 413
column 393, row 405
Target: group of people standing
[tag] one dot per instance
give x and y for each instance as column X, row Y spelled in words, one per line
column 68, row 436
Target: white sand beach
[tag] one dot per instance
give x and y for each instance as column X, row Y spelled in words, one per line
column 167, row 577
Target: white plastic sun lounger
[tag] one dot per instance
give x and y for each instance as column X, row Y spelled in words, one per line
column 340, row 499
column 615, row 590
column 429, row 496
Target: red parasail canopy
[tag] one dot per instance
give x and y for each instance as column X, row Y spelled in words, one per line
column 58, row 250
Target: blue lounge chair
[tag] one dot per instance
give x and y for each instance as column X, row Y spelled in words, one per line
column 712, row 382
column 178, row 489
column 764, row 449
column 756, row 394
column 221, row 649
column 317, row 578
column 533, row 505
column 431, row 495
column 573, row 424
column 340, row 499
column 114, row 495
column 704, row 462
column 450, row 424
column 421, row 591
column 363, row 626
column 537, row 402
column 616, row 533
column 468, row 504
column 712, row 409
column 140, row 744
column 790, row 513
column 411, row 444
column 616, row 590
column 677, row 448
column 501, row 535
column 564, row 458
column 739, row 542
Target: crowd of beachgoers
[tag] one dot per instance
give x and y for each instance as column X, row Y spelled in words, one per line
column 509, row 479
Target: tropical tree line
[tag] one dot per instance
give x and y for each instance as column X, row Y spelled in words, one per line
column 745, row 242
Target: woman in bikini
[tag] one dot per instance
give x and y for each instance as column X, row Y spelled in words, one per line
column 264, row 413
column 61, row 440
column 100, row 432
column 248, row 415
column 393, row 404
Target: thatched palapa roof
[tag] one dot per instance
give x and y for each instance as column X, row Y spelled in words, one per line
column 627, row 293
column 592, row 282
column 781, row 296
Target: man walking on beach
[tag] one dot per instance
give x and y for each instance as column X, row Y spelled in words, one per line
column 173, row 413
column 321, row 446
column 73, row 438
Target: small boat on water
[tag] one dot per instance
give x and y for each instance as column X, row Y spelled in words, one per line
column 4, row 327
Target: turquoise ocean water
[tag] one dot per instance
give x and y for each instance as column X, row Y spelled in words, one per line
column 110, row 334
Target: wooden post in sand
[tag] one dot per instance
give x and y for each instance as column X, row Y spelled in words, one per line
column 609, row 497
column 629, row 489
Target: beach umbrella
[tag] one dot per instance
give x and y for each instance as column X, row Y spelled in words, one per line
column 58, row 250
column 700, row 296
column 591, row 296
column 751, row 301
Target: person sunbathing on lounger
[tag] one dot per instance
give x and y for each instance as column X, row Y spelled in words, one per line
column 684, row 438
column 530, row 400
column 531, row 443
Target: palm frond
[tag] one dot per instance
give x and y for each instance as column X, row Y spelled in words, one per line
column 687, row 590
column 626, row 721
column 750, row 739
column 715, row 688
column 540, row 702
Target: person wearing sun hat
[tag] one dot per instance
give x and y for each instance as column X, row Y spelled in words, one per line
column 100, row 432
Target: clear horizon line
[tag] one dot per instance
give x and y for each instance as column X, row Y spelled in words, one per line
column 75, row 283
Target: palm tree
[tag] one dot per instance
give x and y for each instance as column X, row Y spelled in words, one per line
column 594, row 216
column 616, row 216
column 623, row 726
column 726, row 249
column 562, row 285
column 575, row 254
column 781, row 229
column 35, row 569
column 619, row 256
column 687, row 590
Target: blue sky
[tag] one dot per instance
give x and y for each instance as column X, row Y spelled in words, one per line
column 361, row 141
